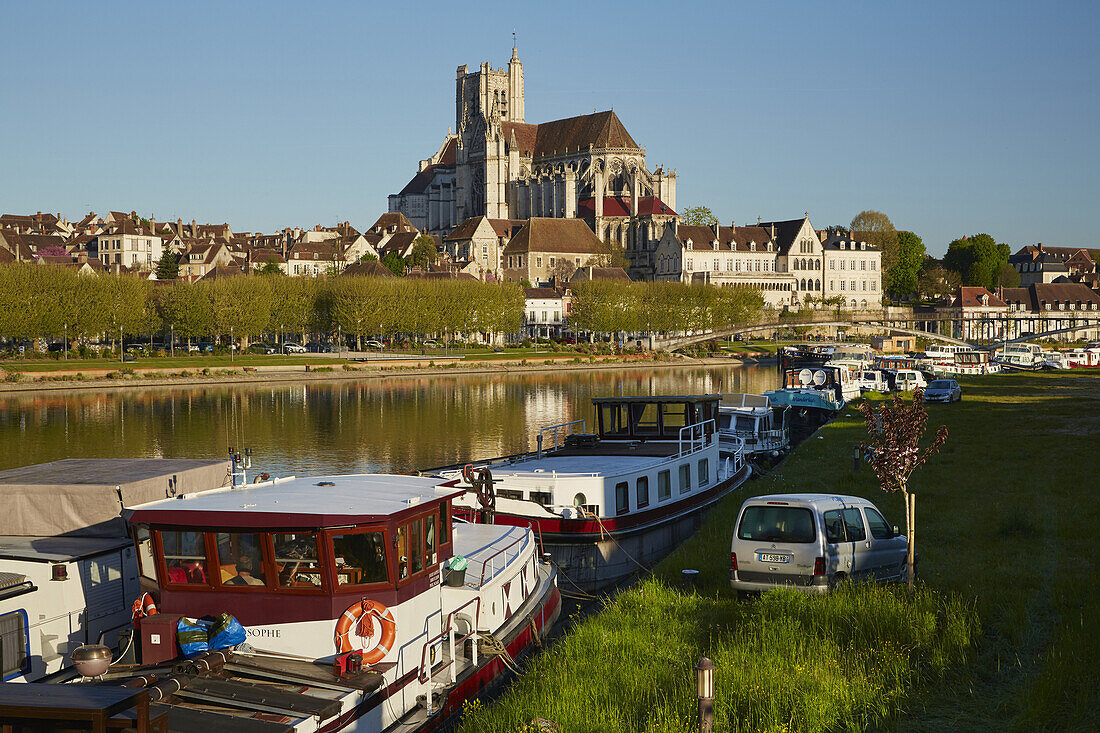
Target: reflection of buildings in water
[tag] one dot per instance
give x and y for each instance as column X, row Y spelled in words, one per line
column 392, row 425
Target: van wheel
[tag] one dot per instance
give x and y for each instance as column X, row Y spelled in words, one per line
column 836, row 580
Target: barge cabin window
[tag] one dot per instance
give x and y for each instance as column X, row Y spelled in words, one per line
column 622, row 497
column 704, row 472
column 664, row 485
column 185, row 557
column 240, row 559
column 685, row 478
column 643, row 491
column 14, row 659
column 360, row 559
column 659, row 418
column 297, row 560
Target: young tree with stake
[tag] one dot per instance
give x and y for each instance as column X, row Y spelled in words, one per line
column 894, row 452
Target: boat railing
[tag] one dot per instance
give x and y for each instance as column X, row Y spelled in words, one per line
column 695, row 437
column 505, row 554
column 448, row 635
column 559, row 430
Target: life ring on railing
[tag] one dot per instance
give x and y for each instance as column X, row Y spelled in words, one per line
column 144, row 606
column 358, row 620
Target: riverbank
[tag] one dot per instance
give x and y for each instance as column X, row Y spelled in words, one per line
column 123, row 378
column 1000, row 634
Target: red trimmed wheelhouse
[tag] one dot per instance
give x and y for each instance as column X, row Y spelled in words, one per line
column 339, row 582
column 610, row 502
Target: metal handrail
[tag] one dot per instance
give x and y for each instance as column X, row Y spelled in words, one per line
column 555, row 428
column 448, row 634
column 694, row 443
column 493, row 557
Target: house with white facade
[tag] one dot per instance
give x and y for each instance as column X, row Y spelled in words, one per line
column 852, row 271
column 544, row 313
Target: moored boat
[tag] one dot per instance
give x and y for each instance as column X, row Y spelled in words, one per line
column 611, row 502
column 751, row 424
column 348, row 620
column 815, row 394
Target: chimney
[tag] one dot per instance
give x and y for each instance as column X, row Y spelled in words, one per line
column 773, row 230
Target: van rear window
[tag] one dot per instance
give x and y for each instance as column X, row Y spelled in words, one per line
column 777, row 524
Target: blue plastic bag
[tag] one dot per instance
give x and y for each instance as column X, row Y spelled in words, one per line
column 192, row 637
column 225, row 631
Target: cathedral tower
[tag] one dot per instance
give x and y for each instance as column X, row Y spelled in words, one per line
column 483, row 100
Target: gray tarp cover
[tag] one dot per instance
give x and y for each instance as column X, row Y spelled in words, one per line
column 83, row 496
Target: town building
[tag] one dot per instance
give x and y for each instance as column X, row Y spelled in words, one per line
column 851, row 271
column 545, row 249
column 480, row 241
column 1043, row 264
column 544, row 313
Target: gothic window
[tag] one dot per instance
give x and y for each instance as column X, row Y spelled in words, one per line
column 818, row 287
column 796, row 265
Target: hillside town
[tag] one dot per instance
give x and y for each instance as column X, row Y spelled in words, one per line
column 549, row 205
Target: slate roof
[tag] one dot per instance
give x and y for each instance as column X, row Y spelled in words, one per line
column 572, row 236
column 540, row 293
column 785, row 232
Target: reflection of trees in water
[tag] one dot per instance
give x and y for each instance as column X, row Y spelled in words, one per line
column 397, row 424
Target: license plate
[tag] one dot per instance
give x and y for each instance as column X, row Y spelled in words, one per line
column 769, row 557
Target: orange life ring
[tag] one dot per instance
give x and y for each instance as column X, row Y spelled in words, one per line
column 358, row 620
column 144, row 606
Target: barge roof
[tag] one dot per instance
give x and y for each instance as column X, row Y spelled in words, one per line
column 315, row 501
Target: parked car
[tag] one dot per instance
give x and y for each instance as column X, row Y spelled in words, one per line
column 292, row 348
column 315, row 348
column 432, row 344
column 193, row 348
column 810, row 542
column 943, row 390
column 374, row 344
column 260, row 348
column 739, row 337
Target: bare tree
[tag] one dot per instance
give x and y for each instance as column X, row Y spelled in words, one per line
column 894, row 452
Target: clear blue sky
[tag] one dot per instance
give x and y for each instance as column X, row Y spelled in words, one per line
column 953, row 118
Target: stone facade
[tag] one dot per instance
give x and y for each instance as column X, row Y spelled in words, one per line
column 586, row 167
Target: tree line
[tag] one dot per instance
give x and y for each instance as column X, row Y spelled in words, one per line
column 604, row 306
column 42, row 301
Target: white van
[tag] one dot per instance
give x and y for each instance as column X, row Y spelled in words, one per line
column 907, row 380
column 873, row 380
column 812, row 541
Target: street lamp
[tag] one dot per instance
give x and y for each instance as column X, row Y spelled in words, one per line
column 231, row 342
column 66, row 342
column 704, row 691
column 172, row 339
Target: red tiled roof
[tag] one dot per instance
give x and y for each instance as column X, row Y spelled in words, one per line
column 620, row 206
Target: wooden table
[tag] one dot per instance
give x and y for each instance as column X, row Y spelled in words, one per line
column 93, row 705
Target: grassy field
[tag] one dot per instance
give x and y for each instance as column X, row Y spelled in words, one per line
column 1001, row 634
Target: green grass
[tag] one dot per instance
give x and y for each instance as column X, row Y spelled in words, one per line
column 1000, row 634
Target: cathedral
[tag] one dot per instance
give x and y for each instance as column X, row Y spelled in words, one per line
column 499, row 166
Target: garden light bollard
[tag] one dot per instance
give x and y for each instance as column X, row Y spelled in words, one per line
column 855, row 458
column 704, row 691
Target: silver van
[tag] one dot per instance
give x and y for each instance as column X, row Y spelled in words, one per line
column 812, row 541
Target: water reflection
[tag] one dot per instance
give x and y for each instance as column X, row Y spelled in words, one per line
column 397, row 424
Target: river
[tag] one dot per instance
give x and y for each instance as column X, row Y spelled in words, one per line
column 391, row 425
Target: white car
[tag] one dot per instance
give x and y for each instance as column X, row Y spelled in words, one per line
column 907, row 380
column 810, row 542
column 292, row 348
column 873, row 380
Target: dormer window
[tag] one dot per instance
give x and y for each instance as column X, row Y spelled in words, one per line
column 689, row 244
column 752, row 246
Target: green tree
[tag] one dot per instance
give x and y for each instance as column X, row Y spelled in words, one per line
column 395, row 263
column 242, row 306
column 1010, row 277
column 359, row 306
column 187, row 309
column 423, row 252
column 698, row 215
column 935, row 281
column 611, row 254
column 876, row 229
column 902, row 278
column 168, row 267
column 977, row 259
column 270, row 267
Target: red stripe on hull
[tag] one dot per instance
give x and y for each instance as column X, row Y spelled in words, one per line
column 554, row 529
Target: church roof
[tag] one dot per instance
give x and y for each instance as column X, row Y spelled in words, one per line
column 540, row 234
column 785, row 232
column 620, row 206
column 599, row 129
